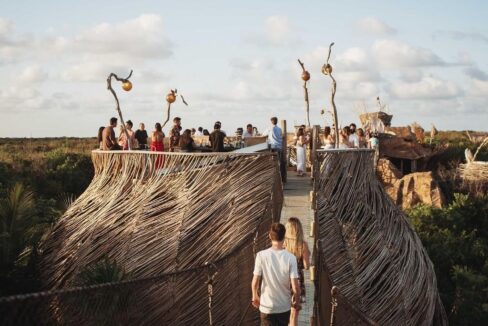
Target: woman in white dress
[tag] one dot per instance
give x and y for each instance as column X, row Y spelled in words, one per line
column 301, row 152
column 329, row 140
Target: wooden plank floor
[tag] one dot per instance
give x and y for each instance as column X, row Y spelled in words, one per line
column 297, row 204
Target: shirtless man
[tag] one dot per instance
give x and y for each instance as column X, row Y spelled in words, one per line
column 109, row 142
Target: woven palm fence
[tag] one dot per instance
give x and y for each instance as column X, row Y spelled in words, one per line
column 368, row 250
column 185, row 227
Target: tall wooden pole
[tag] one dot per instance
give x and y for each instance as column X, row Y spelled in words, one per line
column 119, row 111
column 305, row 78
column 284, row 151
column 327, row 70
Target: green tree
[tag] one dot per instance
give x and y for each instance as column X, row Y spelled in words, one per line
column 17, row 213
column 456, row 238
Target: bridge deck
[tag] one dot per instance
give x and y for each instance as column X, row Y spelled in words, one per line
column 297, row 204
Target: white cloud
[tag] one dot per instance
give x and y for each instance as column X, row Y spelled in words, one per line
column 92, row 71
column 395, row 54
column 33, row 74
column 141, row 38
column 375, row 26
column 427, row 88
column 278, row 31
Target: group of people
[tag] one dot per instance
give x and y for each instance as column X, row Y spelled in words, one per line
column 278, row 284
column 178, row 138
column 349, row 137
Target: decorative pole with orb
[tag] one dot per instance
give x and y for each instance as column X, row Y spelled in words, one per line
column 170, row 99
column 305, row 78
column 126, row 86
column 327, row 70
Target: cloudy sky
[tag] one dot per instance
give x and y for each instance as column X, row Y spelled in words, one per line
column 236, row 61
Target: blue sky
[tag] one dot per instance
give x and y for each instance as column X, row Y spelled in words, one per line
column 236, row 62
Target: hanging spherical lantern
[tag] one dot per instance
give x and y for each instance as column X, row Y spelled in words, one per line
column 327, row 69
column 305, row 75
column 171, row 97
column 127, row 85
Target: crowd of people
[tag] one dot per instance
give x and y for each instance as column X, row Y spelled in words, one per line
column 178, row 138
column 349, row 137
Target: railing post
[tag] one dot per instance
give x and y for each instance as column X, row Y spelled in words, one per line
column 284, row 154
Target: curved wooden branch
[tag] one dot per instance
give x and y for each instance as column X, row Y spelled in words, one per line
column 327, row 70
column 167, row 115
column 305, row 89
column 119, row 111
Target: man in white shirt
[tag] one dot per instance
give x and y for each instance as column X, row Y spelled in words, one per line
column 353, row 137
column 248, row 132
column 275, row 142
column 277, row 269
column 199, row 132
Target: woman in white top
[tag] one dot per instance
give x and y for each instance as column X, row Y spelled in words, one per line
column 329, row 140
column 301, row 152
column 344, row 138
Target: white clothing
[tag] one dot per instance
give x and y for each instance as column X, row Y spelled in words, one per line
column 354, row 140
column 276, row 268
column 246, row 134
column 274, row 137
column 301, row 154
column 198, row 133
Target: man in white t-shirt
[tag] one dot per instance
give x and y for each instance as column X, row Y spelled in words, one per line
column 277, row 269
column 248, row 132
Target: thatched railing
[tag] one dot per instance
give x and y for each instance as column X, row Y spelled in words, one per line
column 185, row 227
column 367, row 249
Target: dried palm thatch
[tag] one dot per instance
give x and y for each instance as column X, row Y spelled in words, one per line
column 474, row 171
column 367, row 248
column 193, row 221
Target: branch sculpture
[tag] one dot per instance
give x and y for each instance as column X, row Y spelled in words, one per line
column 327, row 70
column 170, row 99
column 127, row 86
column 305, row 78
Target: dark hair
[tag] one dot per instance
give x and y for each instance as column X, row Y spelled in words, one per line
column 277, row 232
column 205, row 132
column 217, row 125
column 193, row 130
column 300, row 132
column 185, row 138
column 100, row 133
column 353, row 124
column 200, row 129
column 274, row 120
column 113, row 120
column 303, row 126
column 218, row 122
column 158, row 126
column 326, row 131
column 176, row 119
column 130, row 123
column 249, row 125
column 360, row 132
column 347, row 130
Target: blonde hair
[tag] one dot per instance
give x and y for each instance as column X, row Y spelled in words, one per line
column 294, row 236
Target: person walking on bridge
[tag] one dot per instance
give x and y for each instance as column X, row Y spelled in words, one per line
column 275, row 143
column 277, row 269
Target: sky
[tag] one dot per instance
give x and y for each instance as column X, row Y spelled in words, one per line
column 236, row 62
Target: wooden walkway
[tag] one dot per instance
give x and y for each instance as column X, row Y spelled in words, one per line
column 297, row 204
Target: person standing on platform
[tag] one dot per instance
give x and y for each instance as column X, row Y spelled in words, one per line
column 217, row 139
column 109, row 142
column 174, row 134
column 276, row 270
column 275, row 143
column 141, row 136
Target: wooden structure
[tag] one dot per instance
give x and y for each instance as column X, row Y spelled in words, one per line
column 366, row 248
column 192, row 221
